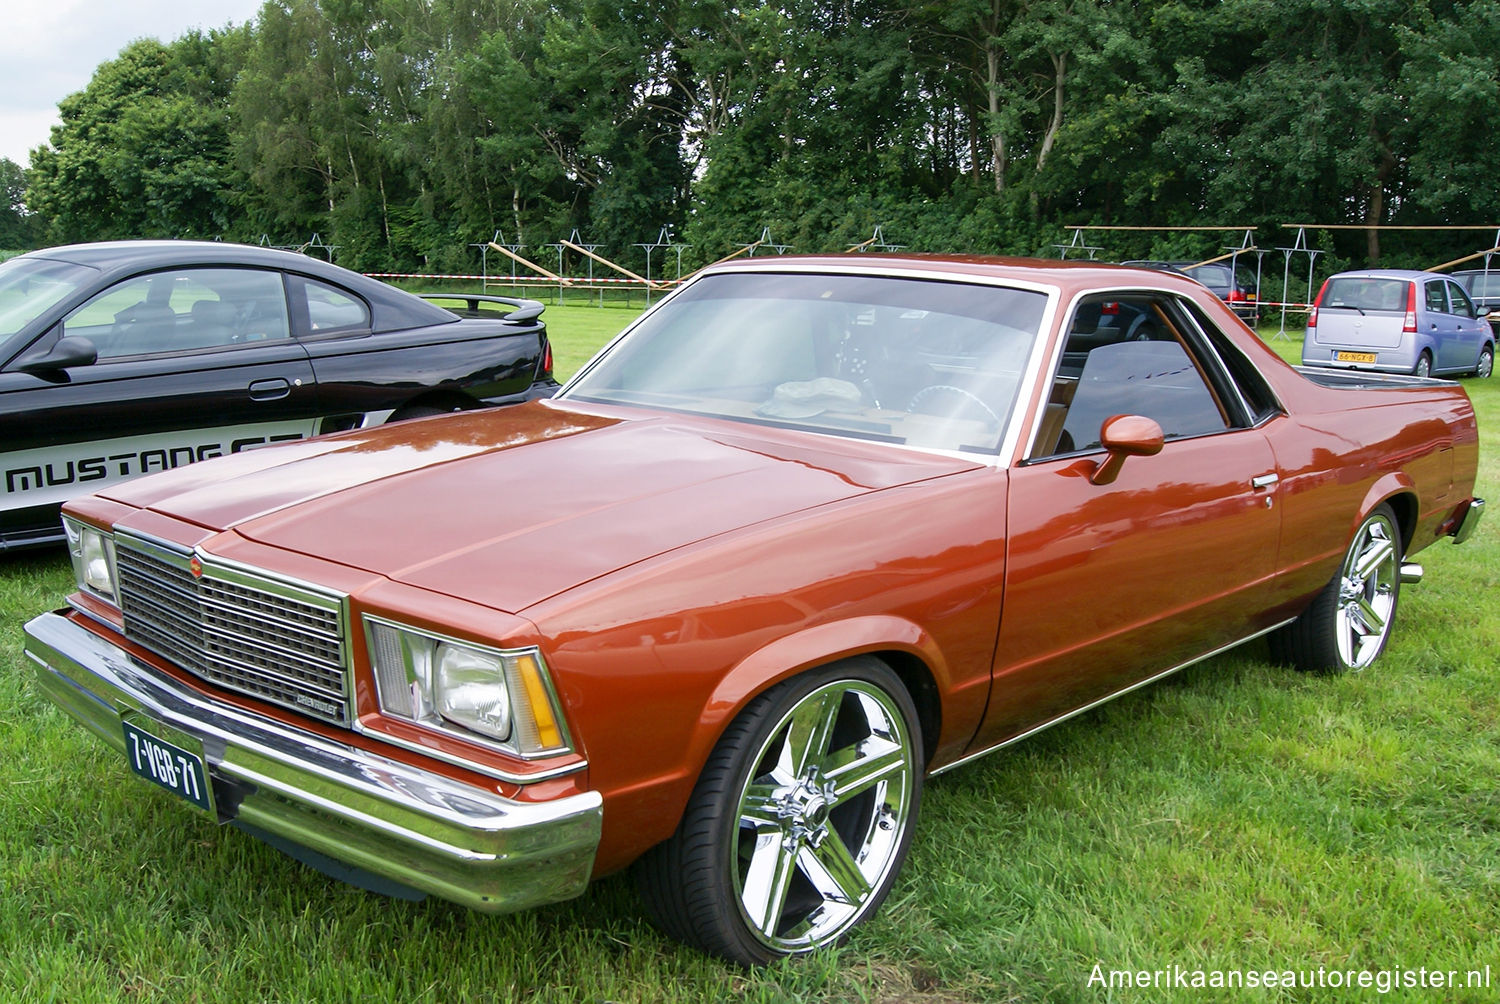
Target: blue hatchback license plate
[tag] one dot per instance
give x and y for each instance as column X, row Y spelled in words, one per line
column 169, row 766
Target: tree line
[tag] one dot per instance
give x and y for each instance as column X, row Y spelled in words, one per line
column 404, row 130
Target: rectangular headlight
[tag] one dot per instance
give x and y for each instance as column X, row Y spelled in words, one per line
column 93, row 554
column 465, row 689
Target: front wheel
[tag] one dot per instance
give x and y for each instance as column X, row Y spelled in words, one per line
column 799, row 822
column 1486, row 364
column 1347, row 625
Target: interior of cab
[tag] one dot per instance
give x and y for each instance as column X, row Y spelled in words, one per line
column 1132, row 354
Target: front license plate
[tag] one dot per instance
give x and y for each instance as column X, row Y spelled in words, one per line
column 1354, row 357
column 169, row 766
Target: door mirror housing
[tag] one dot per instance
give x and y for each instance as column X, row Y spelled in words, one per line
column 70, row 350
column 1125, row 436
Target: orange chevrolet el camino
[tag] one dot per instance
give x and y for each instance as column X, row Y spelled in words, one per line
column 809, row 531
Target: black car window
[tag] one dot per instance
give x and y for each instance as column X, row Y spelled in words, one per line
column 183, row 311
column 1459, row 300
column 1437, row 297
column 1134, row 354
column 331, row 310
column 1364, row 293
column 1482, row 284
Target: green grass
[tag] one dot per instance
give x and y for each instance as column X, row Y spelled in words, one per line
column 1236, row 816
column 577, row 332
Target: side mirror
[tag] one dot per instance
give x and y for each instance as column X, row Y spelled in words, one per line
column 1125, row 436
column 70, row 350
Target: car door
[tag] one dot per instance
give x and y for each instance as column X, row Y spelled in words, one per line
column 1437, row 325
column 1469, row 331
column 191, row 364
column 1108, row 585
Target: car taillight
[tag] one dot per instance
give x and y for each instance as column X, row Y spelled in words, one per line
column 1235, row 296
column 1312, row 315
column 546, row 357
column 1410, row 324
column 1109, row 309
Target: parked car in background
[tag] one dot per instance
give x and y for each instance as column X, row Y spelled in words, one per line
column 1483, row 287
column 123, row 358
column 1235, row 285
column 807, row 532
column 1397, row 321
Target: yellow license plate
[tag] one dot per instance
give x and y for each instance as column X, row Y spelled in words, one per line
column 1354, row 357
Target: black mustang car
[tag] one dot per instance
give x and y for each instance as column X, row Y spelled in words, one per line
column 124, row 358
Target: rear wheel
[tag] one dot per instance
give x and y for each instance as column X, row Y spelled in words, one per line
column 1347, row 625
column 799, row 822
column 1424, row 365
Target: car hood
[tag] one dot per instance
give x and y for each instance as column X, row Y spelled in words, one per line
column 510, row 507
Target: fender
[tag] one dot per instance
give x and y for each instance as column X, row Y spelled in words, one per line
column 795, row 653
column 1385, row 488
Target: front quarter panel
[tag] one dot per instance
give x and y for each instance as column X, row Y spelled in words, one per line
column 653, row 662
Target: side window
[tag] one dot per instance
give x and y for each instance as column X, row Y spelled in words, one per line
column 1437, row 298
column 182, row 311
column 1135, row 355
column 331, row 310
column 1462, row 305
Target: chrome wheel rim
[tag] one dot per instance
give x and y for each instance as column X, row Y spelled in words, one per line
column 1486, row 365
column 822, row 816
column 1367, row 592
column 1424, row 367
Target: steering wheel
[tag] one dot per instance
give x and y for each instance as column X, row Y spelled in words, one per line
column 936, row 388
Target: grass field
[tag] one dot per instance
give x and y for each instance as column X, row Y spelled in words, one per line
column 1237, row 816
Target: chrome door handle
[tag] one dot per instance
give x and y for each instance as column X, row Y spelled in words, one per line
column 1264, row 481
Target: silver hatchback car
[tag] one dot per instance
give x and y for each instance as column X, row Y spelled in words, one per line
column 1398, row 321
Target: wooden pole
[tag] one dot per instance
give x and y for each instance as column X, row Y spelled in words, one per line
column 1380, row 226
column 728, row 257
column 530, row 264
column 608, row 264
column 1222, row 257
column 1158, row 229
column 1460, row 261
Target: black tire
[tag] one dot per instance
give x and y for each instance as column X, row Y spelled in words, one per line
column 1424, row 365
column 1486, row 364
column 773, row 855
column 1347, row 625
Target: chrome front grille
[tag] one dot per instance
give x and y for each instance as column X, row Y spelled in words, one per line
column 244, row 631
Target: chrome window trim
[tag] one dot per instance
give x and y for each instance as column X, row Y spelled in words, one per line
column 456, row 732
column 1055, row 363
column 1228, row 373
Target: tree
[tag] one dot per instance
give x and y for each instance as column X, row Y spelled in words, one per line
column 18, row 225
column 143, row 150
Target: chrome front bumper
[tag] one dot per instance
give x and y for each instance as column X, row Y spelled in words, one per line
column 404, row 824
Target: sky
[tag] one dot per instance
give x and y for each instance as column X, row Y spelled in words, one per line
column 50, row 48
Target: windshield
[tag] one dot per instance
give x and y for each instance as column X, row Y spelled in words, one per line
column 30, row 286
column 925, row 363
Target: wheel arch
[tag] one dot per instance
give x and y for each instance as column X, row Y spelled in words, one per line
column 433, row 401
column 911, row 653
column 1398, row 491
